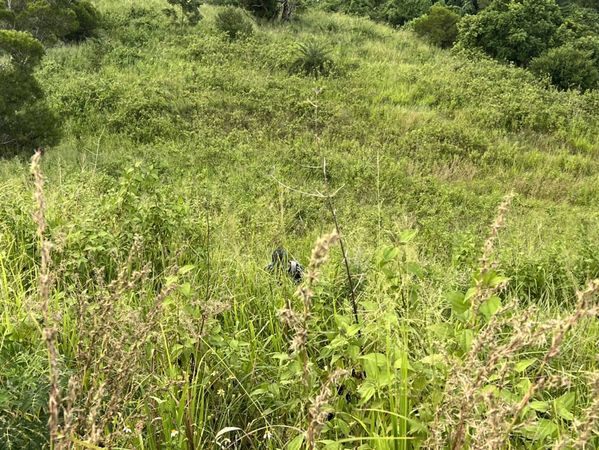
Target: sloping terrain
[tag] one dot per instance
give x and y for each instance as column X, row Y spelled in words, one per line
column 206, row 154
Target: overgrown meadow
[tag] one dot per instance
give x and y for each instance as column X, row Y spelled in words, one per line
column 444, row 209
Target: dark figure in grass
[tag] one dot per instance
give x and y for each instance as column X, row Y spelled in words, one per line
column 280, row 263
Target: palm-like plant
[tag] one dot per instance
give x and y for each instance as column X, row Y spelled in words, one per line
column 314, row 59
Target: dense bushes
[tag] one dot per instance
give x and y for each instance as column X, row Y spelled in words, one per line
column 513, row 30
column 88, row 20
column 439, row 26
column 398, row 12
column 560, row 44
column 24, row 117
column 51, row 21
column 570, row 66
column 234, row 23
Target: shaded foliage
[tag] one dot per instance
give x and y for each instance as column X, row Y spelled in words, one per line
column 399, row 12
column 513, row 30
column 439, row 26
column 263, row 9
column 573, row 65
column 25, row 120
column 51, row 21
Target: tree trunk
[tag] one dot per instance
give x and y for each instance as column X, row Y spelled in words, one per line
column 288, row 9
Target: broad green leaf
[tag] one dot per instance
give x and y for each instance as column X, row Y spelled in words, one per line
column 568, row 400
column 524, row 385
column 185, row 269
column 437, row 360
column 539, row 406
column 490, row 306
column 458, row 303
column 353, row 330
column 331, row 445
column 390, row 253
column 185, row 289
column 564, row 405
column 497, row 280
column 367, row 390
column 415, row 269
column 373, row 362
column 540, row 431
column 470, row 293
column 407, row 236
column 171, row 279
column 521, row 366
column 296, row 442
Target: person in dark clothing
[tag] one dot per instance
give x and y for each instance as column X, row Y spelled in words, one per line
column 280, row 262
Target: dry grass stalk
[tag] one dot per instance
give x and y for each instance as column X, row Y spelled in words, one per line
column 584, row 308
column 472, row 407
column 112, row 350
column 298, row 322
column 489, row 362
column 590, row 424
column 317, row 412
column 110, row 355
column 45, row 286
column 486, row 264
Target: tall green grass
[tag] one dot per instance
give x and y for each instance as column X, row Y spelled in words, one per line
column 188, row 158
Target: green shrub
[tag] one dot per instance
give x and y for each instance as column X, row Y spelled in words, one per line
column 570, row 66
column 234, row 23
column 88, row 20
column 439, row 26
column 578, row 22
column 314, row 59
column 25, row 120
column 594, row 4
column 512, row 30
column 398, row 12
column 51, row 21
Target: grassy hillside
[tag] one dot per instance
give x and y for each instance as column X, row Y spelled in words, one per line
column 189, row 158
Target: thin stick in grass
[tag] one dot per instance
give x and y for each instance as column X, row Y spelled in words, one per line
column 352, row 291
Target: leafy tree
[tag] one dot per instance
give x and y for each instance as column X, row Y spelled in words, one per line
column 50, row 20
column 594, row 4
column 25, row 119
column 368, row 8
column 189, row 10
column 513, row 30
column 439, row 26
column 398, row 12
column 574, row 65
column 579, row 22
column 88, row 20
